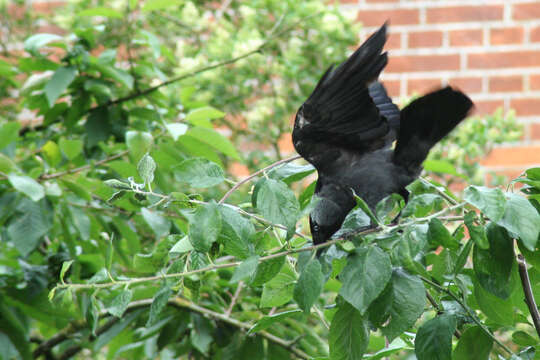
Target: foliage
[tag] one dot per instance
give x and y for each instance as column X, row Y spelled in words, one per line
column 119, row 235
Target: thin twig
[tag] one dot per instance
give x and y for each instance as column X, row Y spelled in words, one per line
column 234, row 298
column 469, row 312
column 436, row 306
column 448, row 198
column 529, row 297
column 208, row 268
column 84, row 167
column 250, row 177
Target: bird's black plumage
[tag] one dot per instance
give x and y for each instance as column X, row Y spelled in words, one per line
column 346, row 129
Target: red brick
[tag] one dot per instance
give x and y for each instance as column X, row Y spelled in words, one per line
column 421, row 86
column 526, row 107
column 396, row 17
column 504, row 59
column 534, row 82
column 239, row 170
column 483, row 107
column 466, row 37
column 393, row 87
column 467, row 84
column 535, row 131
column 526, row 11
column 285, row 143
column 523, row 155
column 535, row 34
column 422, row 63
column 505, row 83
column 512, row 35
column 464, row 13
column 425, row 39
column 393, row 41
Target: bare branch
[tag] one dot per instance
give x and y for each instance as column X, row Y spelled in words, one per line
column 529, row 297
column 250, row 177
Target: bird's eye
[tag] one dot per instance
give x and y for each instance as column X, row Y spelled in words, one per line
column 316, row 227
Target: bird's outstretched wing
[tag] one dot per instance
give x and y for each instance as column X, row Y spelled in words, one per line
column 341, row 113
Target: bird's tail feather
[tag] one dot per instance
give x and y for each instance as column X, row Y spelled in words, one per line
column 425, row 121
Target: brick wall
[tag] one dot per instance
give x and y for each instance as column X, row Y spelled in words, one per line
column 489, row 49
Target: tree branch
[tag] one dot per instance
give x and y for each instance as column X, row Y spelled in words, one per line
column 250, row 177
column 207, row 268
column 234, row 298
column 195, row 72
column 529, row 297
column 84, row 167
column 471, row 313
column 177, row 302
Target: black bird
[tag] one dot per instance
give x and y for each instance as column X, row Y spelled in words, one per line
column 346, row 129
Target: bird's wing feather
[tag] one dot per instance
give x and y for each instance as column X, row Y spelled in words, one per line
column 341, row 112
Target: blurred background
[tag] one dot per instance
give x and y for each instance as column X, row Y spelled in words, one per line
column 489, row 49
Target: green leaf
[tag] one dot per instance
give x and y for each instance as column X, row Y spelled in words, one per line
column 27, row 186
column 309, row 285
column 14, row 329
column 101, row 11
column 365, row 277
column 52, row 154
column 361, row 204
column 408, row 303
column 150, row 5
column 6, row 164
column 277, row 203
column 266, row 270
column 439, row 235
column 199, row 173
column 214, row 139
column 117, row 184
column 35, row 42
column 158, row 303
column 421, row 205
column 290, row 172
column 463, row 256
column 65, row 267
column 521, row 218
column 146, row 168
column 176, row 130
column 157, row 223
column 440, row 166
column 490, row 201
column 59, row 82
column 203, row 114
column 349, row 334
column 246, row 269
column 268, row 320
column 279, row 290
column 120, row 303
column 9, row 132
column 70, row 148
column 76, row 188
column 496, row 309
column 138, row 144
column 91, row 312
column 524, row 339
column 119, row 75
column 477, row 233
column 204, row 227
column 236, row 233
column 474, row 344
column 493, row 267
column 434, row 338
column 182, row 246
